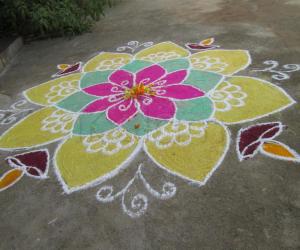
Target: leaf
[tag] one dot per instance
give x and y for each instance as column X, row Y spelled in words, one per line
column 208, row 41
column 226, row 62
column 193, row 155
column 39, row 128
column 162, row 52
column 53, row 91
column 9, row 178
column 259, row 99
column 279, row 150
column 250, row 139
column 107, row 61
column 82, row 161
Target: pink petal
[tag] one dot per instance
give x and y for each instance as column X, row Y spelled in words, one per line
column 149, row 74
column 122, row 78
column 102, row 104
column 157, row 107
column 122, row 112
column 179, row 91
column 175, row 77
column 103, row 89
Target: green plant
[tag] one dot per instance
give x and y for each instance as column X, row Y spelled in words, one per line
column 44, row 18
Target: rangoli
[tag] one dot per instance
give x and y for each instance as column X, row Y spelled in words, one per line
column 174, row 104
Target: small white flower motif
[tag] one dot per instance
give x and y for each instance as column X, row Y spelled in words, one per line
column 228, row 96
column 61, row 90
column 109, row 143
column 161, row 56
column 208, row 63
column 177, row 132
column 111, row 64
column 59, row 122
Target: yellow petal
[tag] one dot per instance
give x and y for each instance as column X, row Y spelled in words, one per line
column 197, row 158
column 258, row 99
column 161, row 52
column 226, row 62
column 41, row 127
column 53, row 91
column 82, row 161
column 107, row 61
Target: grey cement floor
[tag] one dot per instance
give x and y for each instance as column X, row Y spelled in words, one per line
column 249, row 205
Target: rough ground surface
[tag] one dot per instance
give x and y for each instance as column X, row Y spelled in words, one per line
column 249, row 205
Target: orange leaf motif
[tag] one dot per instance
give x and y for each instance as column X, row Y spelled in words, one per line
column 10, row 178
column 208, row 41
column 62, row 66
column 279, row 150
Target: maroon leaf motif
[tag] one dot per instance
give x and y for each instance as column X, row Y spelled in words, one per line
column 196, row 46
column 34, row 163
column 70, row 69
column 251, row 138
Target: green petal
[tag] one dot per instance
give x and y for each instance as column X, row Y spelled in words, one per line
column 203, row 80
column 176, row 64
column 88, row 124
column 136, row 65
column 76, row 101
column 141, row 125
column 194, row 110
column 94, row 77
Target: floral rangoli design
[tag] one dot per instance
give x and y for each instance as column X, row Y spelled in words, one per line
column 174, row 104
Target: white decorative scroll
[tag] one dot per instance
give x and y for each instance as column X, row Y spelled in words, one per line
column 279, row 74
column 134, row 45
column 10, row 115
column 139, row 202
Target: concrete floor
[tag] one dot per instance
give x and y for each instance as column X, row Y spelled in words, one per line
column 249, row 205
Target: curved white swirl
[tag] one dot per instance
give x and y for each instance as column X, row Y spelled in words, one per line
column 10, row 115
column 279, row 74
column 134, row 45
column 147, row 100
column 139, row 202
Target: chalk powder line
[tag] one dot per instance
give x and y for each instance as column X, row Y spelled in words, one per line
column 174, row 103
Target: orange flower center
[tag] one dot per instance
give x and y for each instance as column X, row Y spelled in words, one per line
column 138, row 90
